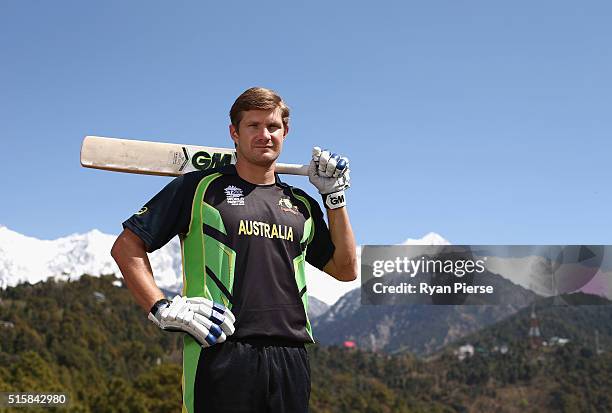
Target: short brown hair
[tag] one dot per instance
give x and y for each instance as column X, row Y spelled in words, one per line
column 258, row 98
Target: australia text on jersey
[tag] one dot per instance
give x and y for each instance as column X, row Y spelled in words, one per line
column 263, row 229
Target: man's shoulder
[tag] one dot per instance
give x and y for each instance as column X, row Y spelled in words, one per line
column 187, row 184
column 300, row 193
column 195, row 177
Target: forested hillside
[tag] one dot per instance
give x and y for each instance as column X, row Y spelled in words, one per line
column 90, row 340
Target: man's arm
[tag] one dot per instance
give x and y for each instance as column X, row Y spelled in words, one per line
column 329, row 173
column 343, row 264
column 205, row 321
column 129, row 252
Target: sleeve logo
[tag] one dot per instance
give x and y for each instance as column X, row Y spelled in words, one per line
column 142, row 211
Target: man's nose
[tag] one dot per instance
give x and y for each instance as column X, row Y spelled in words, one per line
column 264, row 134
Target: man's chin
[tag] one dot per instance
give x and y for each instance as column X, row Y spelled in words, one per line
column 265, row 160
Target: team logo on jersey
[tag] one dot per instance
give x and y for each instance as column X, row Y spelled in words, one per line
column 285, row 205
column 142, row 210
column 234, row 195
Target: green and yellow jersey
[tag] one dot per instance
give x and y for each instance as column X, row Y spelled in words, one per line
column 243, row 245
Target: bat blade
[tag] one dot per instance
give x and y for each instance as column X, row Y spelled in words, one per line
column 157, row 158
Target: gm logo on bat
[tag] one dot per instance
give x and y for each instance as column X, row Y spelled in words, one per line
column 203, row 160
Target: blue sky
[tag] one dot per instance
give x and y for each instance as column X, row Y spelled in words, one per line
column 487, row 122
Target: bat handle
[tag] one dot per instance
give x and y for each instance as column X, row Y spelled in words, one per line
column 291, row 169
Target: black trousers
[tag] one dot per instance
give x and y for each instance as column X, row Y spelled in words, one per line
column 250, row 376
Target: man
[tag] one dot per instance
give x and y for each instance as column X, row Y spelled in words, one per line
column 245, row 237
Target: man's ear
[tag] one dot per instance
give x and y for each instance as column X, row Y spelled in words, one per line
column 233, row 134
column 286, row 131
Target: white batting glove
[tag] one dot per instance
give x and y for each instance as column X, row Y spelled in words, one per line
column 207, row 322
column 329, row 173
column 215, row 312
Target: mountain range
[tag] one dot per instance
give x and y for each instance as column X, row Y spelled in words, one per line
column 28, row 259
column 418, row 328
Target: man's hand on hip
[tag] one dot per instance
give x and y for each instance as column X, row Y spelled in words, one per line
column 329, row 173
column 204, row 320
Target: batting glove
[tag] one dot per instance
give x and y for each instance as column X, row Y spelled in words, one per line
column 205, row 321
column 329, row 173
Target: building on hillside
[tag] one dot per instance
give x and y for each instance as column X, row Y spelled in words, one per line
column 7, row 324
column 349, row 344
column 502, row 349
column 465, row 351
column 558, row 341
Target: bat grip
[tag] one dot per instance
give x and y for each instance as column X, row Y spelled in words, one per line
column 291, row 169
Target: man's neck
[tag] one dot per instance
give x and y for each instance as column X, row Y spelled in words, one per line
column 255, row 174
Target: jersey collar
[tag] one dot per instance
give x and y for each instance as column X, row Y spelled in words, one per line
column 231, row 170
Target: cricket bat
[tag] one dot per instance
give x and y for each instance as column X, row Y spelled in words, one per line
column 156, row 158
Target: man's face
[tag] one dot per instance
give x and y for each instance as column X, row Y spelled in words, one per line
column 259, row 136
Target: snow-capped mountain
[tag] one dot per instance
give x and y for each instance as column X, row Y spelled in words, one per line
column 429, row 239
column 28, row 259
